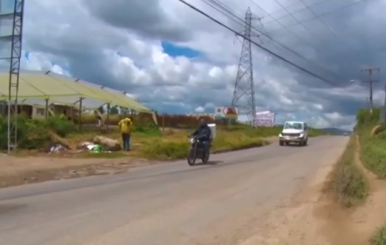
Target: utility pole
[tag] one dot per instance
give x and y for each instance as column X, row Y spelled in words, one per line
column 383, row 118
column 371, row 71
column 15, row 12
column 367, row 103
column 244, row 90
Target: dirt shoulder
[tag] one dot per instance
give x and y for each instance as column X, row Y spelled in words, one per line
column 314, row 217
column 25, row 170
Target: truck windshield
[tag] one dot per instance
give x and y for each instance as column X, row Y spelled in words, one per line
column 293, row 125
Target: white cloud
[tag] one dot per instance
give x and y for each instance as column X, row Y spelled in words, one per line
column 119, row 45
column 199, row 109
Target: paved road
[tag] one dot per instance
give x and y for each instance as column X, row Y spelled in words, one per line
column 221, row 203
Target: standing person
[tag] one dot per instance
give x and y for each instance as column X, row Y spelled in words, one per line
column 126, row 126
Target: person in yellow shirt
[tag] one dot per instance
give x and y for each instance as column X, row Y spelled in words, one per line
column 63, row 115
column 126, row 126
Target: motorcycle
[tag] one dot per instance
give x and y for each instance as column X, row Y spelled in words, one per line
column 197, row 151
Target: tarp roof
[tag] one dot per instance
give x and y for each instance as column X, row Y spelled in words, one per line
column 39, row 86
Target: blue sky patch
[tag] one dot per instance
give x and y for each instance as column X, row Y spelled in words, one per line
column 26, row 54
column 175, row 50
column 7, row 6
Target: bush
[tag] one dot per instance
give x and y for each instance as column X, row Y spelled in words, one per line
column 365, row 117
column 349, row 182
column 373, row 152
column 379, row 237
column 60, row 126
column 34, row 133
column 372, row 139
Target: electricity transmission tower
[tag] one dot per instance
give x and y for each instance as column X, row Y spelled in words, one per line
column 15, row 38
column 371, row 81
column 244, row 90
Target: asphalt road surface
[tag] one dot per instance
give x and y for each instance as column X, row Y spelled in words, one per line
column 220, row 203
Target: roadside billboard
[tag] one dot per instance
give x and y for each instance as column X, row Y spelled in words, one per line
column 226, row 112
column 265, row 119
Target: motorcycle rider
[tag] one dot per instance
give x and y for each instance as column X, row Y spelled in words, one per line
column 204, row 135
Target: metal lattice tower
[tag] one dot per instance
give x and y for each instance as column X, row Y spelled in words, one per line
column 14, row 72
column 244, row 91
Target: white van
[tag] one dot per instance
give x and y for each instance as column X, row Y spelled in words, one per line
column 294, row 132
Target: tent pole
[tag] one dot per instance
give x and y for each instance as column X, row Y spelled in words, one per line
column 108, row 116
column 80, row 114
column 46, row 109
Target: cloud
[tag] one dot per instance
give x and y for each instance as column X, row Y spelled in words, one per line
column 175, row 60
column 199, row 109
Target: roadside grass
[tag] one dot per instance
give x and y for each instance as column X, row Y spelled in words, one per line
column 373, row 143
column 372, row 139
column 176, row 147
column 148, row 140
column 373, row 152
column 173, row 144
column 348, row 181
column 379, row 237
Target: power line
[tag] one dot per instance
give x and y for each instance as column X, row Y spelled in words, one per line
column 320, row 20
column 258, row 45
column 299, row 10
column 329, row 29
column 320, row 15
column 289, row 30
column 293, row 17
column 238, row 19
column 317, row 17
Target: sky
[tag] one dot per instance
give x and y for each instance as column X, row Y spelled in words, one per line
column 175, row 60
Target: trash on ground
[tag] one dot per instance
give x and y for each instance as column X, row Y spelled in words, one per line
column 107, row 144
column 57, row 147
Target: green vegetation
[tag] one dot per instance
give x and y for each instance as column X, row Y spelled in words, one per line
column 176, row 145
column 372, row 139
column 148, row 140
column 35, row 134
column 348, row 181
column 379, row 237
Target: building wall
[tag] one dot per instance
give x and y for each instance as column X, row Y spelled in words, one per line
column 40, row 112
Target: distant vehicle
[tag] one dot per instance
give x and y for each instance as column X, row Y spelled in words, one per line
column 294, row 132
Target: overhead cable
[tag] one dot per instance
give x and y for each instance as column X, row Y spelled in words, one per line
column 317, row 16
column 239, row 19
column 253, row 42
column 296, row 11
column 289, row 30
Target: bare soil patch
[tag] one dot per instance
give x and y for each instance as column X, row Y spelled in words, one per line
column 24, row 170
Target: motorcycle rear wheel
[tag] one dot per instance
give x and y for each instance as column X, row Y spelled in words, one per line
column 205, row 157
